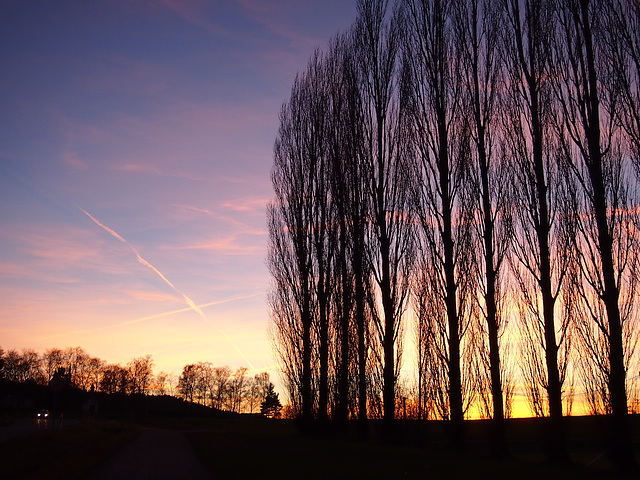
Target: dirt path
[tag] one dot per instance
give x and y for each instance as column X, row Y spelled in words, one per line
column 155, row 454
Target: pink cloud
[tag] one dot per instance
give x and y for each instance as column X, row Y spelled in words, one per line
column 229, row 245
column 71, row 160
column 60, row 248
column 145, row 296
column 61, row 254
column 252, row 205
column 130, row 167
column 273, row 15
column 255, row 205
column 26, row 271
column 237, row 208
column 195, row 12
column 183, row 139
column 153, row 170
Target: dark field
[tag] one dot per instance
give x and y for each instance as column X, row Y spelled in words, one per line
column 252, row 447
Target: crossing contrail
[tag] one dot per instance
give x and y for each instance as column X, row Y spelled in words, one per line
column 191, row 304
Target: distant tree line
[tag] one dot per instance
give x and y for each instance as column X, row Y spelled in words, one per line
column 202, row 383
column 472, row 166
column 81, row 370
column 219, row 387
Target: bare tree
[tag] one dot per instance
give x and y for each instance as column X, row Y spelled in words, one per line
column 342, row 154
column 115, row 379
column 257, row 390
column 541, row 254
column 478, row 25
column 442, row 151
column 352, row 208
column 237, row 389
column 622, row 41
column 204, row 383
column 387, row 183
column 291, row 252
column 589, row 92
column 92, row 372
column 22, row 366
column 141, row 371
column 317, row 166
column 187, row 382
column 73, row 359
column 220, row 386
column 52, row 360
column 161, row 383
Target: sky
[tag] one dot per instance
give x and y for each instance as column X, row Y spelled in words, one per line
column 136, row 143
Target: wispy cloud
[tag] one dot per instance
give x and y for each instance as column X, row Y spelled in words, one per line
column 23, row 271
column 291, row 21
column 154, row 296
column 182, row 310
column 195, row 12
column 228, row 211
column 253, row 205
column 53, row 252
column 73, row 161
column 130, row 167
column 153, row 170
column 230, row 245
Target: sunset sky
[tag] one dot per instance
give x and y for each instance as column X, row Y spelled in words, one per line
column 135, row 149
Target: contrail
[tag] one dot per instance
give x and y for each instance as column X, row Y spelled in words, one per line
column 148, row 317
column 192, row 305
column 182, row 310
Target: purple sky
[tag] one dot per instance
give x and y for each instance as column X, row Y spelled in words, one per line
column 135, row 149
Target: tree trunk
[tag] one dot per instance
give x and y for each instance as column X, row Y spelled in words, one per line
column 620, row 445
column 556, row 450
column 455, row 376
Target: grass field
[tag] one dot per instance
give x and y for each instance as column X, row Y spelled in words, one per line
column 273, row 450
column 254, row 447
column 70, row 453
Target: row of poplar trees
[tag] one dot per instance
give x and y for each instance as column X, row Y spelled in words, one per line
column 436, row 156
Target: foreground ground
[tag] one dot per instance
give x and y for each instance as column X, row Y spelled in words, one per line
column 260, row 448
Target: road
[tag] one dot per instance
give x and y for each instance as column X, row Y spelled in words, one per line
column 24, row 427
column 154, row 454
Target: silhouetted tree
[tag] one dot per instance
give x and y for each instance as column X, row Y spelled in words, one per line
column 352, row 204
column 541, row 256
column 291, row 249
column 589, row 91
column 115, row 379
column 187, row 381
column 237, row 389
column 161, row 383
column 478, row 24
column 258, row 390
column 141, row 371
column 386, row 181
column 442, row 153
column 271, row 406
column 316, row 141
column 342, row 151
column 204, row 384
column 22, row 366
column 622, row 40
column 52, row 359
column 219, row 387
